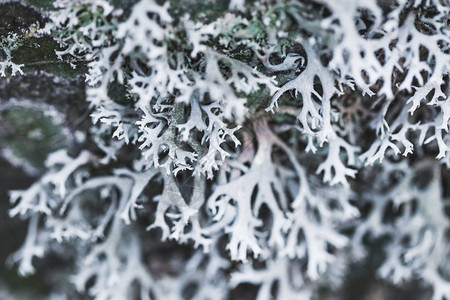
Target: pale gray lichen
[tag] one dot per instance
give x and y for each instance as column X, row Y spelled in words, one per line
column 184, row 154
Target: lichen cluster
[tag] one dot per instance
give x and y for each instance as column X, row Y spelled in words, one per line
column 270, row 141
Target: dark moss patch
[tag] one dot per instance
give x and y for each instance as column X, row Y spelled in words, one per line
column 44, row 4
column 125, row 5
column 243, row 54
column 258, row 100
column 39, row 54
column 205, row 11
column 118, row 92
column 30, row 134
column 16, row 18
column 68, row 95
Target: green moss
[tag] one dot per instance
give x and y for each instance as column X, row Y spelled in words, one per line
column 16, row 18
column 242, row 53
column 30, row 134
column 258, row 100
column 125, row 5
column 44, row 4
column 118, row 92
column 30, row 286
column 39, row 54
column 205, row 11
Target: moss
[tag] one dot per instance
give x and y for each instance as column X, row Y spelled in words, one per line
column 68, row 95
column 125, row 5
column 118, row 92
column 30, row 134
column 242, row 53
column 16, row 18
column 205, row 11
column 29, row 286
column 257, row 100
column 39, row 54
column 35, row 53
column 44, row 4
